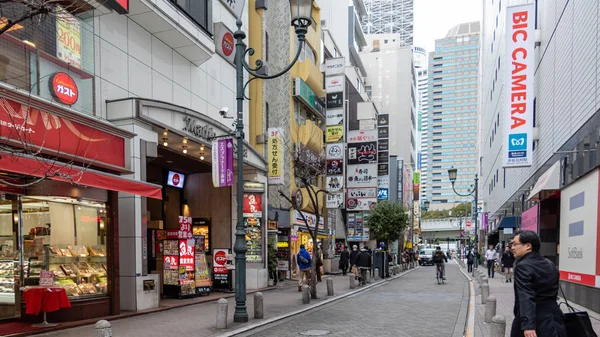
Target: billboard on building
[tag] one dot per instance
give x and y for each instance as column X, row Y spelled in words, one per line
column 518, row 88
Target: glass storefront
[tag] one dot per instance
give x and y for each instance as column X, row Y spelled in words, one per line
column 63, row 235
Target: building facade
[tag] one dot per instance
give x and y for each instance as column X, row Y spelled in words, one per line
column 556, row 195
column 155, row 79
column 452, row 115
column 390, row 17
column 421, row 69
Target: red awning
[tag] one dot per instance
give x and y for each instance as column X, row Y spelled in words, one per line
column 38, row 167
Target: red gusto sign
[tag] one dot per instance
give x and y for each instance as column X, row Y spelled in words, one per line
column 227, row 44
column 58, row 135
column 63, row 88
column 120, row 6
column 252, row 205
column 219, row 261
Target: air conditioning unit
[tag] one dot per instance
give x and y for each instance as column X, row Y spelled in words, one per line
column 261, row 139
column 535, row 134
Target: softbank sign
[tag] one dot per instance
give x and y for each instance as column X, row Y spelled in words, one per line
column 519, row 76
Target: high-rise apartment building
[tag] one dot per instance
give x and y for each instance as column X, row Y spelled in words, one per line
column 390, row 16
column 452, row 115
column 421, row 73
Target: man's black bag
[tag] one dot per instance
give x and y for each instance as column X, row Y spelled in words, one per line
column 578, row 323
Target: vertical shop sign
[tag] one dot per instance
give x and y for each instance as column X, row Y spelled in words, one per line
column 185, row 227
column 186, row 254
column 222, row 162
column 252, row 205
column 275, row 156
column 519, row 75
column 220, row 272
column 68, row 38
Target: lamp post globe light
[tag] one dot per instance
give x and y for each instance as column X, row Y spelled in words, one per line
column 301, row 19
column 452, row 173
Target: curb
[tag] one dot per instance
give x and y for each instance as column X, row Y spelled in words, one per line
column 262, row 323
column 470, row 321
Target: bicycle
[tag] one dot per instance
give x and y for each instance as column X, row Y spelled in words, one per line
column 439, row 274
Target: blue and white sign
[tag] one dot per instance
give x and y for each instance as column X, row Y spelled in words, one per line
column 382, row 194
column 419, row 160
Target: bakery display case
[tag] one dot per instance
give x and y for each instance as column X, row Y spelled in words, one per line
column 7, row 281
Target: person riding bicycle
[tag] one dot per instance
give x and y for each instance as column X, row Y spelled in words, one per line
column 438, row 258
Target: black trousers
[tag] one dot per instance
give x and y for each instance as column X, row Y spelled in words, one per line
column 344, row 267
column 470, row 267
column 491, row 270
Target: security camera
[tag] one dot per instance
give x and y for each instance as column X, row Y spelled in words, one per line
column 223, row 112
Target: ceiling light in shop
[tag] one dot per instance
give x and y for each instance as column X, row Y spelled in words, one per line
column 201, row 156
column 201, row 147
column 166, row 133
column 184, row 140
column 165, row 142
column 184, row 149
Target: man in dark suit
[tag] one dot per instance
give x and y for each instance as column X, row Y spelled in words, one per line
column 536, row 289
column 344, row 260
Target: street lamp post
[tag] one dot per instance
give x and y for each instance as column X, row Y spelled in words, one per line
column 301, row 19
column 452, row 173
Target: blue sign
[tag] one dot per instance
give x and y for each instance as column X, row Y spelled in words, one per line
column 382, row 194
column 517, row 145
column 419, row 161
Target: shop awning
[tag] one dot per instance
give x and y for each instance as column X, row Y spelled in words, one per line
column 39, row 167
column 549, row 181
column 508, row 222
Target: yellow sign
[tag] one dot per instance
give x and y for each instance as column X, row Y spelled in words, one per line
column 275, row 150
column 335, row 133
column 68, row 37
column 282, row 244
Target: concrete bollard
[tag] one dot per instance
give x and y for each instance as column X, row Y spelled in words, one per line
column 258, row 305
column 103, row 329
column 498, row 326
column 368, row 280
column 485, row 293
column 376, row 274
column 305, row 294
column 222, row 313
column 352, row 279
column 490, row 309
column 484, row 280
column 330, row 287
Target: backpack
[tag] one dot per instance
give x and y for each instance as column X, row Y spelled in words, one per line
column 438, row 258
column 303, row 259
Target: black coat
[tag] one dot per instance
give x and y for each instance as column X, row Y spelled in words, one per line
column 470, row 257
column 364, row 260
column 344, row 257
column 536, row 291
column 508, row 259
column 353, row 257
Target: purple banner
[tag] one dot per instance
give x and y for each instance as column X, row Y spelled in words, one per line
column 222, row 165
column 529, row 219
column 484, row 221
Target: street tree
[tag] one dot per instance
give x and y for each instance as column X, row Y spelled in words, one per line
column 460, row 210
column 388, row 221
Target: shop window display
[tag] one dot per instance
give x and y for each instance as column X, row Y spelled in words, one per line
column 65, row 236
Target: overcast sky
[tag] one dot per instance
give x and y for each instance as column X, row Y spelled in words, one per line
column 433, row 19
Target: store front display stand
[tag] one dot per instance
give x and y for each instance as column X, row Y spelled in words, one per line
column 45, row 323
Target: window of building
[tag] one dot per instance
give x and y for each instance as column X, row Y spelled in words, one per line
column 200, row 11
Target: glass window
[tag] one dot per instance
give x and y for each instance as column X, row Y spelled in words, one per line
column 198, row 10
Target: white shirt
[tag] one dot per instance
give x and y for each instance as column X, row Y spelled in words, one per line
column 490, row 254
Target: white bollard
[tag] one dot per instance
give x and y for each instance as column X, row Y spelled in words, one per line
column 305, row 294
column 485, row 293
column 352, row 279
column 258, row 305
column 103, row 329
column 490, row 309
column 376, row 274
column 368, row 280
column 330, row 287
column 498, row 326
column 222, row 313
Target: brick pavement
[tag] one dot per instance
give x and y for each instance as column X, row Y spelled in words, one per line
column 411, row 306
column 504, row 294
column 200, row 319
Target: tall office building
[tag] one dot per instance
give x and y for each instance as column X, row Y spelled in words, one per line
column 421, row 73
column 452, row 112
column 390, row 16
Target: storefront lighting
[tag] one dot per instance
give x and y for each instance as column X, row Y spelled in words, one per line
column 29, row 43
column 201, row 156
column 165, row 133
column 184, row 140
column 79, row 208
column 101, row 225
column 201, row 147
column 184, row 149
column 165, row 142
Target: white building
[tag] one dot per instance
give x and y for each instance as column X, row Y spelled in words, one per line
column 421, row 68
column 565, row 137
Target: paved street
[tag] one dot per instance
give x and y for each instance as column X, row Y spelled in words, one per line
column 413, row 306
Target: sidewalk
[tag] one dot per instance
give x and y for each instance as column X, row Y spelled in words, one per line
column 504, row 294
column 200, row 319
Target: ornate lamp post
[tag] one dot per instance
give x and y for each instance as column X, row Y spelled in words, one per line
column 301, row 19
column 452, row 173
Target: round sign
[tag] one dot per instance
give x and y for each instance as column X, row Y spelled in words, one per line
column 176, row 179
column 352, row 203
column 220, row 258
column 227, row 44
column 468, row 223
column 63, row 88
column 298, row 198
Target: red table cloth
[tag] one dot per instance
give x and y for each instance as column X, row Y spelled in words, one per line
column 45, row 299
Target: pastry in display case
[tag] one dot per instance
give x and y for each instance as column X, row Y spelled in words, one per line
column 80, row 251
column 97, row 251
column 7, row 281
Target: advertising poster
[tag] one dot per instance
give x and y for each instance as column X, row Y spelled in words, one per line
column 252, row 206
column 275, row 156
column 68, row 39
column 335, row 167
column 220, row 273
column 529, row 219
column 202, row 272
column 222, row 162
column 362, row 175
column 334, row 134
column 362, row 153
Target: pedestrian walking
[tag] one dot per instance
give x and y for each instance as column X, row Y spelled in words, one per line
column 508, row 259
column 344, row 260
column 304, row 263
column 273, row 263
column 470, row 260
column 353, row 258
column 319, row 262
column 490, row 257
column 364, row 264
column 537, row 313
